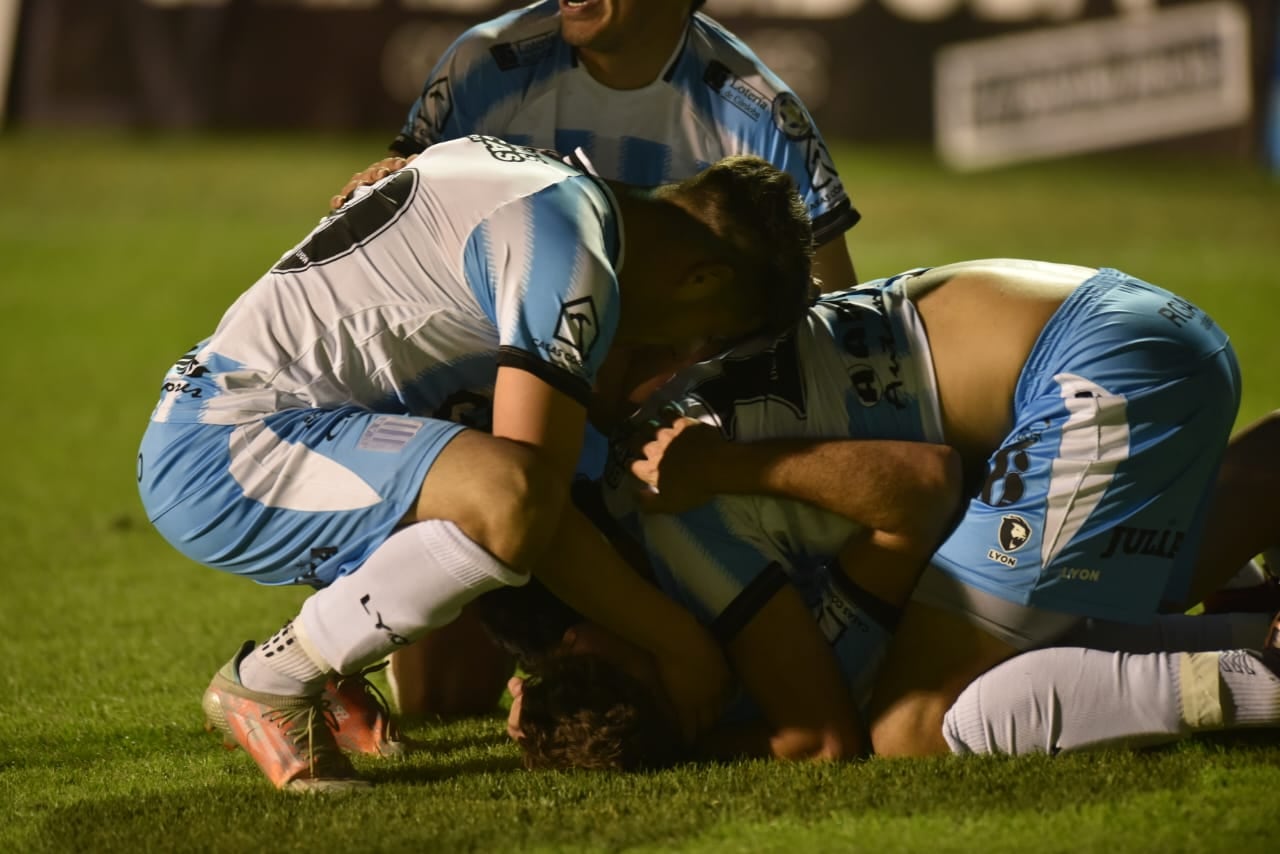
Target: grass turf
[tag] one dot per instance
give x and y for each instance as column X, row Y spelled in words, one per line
column 117, row 253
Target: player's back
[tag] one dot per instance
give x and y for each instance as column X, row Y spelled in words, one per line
column 403, row 296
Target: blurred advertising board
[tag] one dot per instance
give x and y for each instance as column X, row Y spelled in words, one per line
column 865, row 68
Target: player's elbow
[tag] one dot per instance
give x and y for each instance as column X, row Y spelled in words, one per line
column 932, row 497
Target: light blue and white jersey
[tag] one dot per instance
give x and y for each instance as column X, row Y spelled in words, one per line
column 858, row 366
column 408, row 298
column 514, row 77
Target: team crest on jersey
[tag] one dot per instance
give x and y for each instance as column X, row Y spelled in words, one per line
column 578, row 327
column 1014, row 532
column 790, row 116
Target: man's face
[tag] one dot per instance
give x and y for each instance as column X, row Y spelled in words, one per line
column 605, row 26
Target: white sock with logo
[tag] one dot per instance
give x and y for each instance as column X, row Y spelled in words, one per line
column 417, row 580
column 283, row 666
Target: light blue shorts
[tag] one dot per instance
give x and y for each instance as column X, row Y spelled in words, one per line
column 1094, row 504
column 303, row 496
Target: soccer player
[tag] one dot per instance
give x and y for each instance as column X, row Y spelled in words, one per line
column 1102, row 405
column 392, row 413
column 653, row 91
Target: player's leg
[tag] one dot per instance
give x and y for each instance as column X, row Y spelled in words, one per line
column 1244, row 516
column 453, row 671
column 950, row 633
column 1073, row 698
column 318, row 497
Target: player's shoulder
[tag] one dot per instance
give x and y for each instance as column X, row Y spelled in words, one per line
column 739, row 88
column 718, row 49
column 521, row 38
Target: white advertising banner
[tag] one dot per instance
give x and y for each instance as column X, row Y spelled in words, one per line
column 1137, row 78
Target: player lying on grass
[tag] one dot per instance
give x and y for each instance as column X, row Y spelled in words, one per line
column 594, row 701
column 1124, row 383
column 654, row 91
column 393, row 413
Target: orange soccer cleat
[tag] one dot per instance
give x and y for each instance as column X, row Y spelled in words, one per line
column 363, row 718
column 291, row 738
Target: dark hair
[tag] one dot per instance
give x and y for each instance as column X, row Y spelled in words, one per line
column 583, row 712
column 527, row 621
column 754, row 207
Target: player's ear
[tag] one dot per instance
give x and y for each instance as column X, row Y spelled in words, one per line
column 704, row 280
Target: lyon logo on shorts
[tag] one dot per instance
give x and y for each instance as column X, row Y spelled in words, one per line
column 1014, row 532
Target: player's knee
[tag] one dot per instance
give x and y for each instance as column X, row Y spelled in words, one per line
column 911, row 728
column 515, row 513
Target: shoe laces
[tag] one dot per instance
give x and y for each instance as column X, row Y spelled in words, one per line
column 361, row 679
column 321, row 750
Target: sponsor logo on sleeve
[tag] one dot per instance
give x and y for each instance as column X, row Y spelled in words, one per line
column 530, row 51
column 577, row 331
column 437, row 106
column 750, row 101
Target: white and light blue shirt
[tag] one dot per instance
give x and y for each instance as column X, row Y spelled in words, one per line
column 514, row 77
column 409, row 297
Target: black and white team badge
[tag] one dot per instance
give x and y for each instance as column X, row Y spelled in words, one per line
column 790, row 116
column 578, row 327
column 1014, row 532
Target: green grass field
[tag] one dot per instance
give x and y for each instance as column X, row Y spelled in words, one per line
column 116, row 254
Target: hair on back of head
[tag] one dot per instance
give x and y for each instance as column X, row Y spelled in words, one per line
column 581, row 711
column 528, row 621
column 754, row 208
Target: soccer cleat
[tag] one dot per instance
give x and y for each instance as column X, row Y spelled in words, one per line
column 362, row 717
column 289, row 737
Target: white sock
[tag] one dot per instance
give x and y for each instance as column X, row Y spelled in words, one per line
column 1051, row 700
column 1068, row 698
column 282, row 666
column 417, row 580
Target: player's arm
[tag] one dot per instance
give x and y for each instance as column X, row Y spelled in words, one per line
column 580, row 566
column 832, row 266
column 903, row 489
column 787, row 667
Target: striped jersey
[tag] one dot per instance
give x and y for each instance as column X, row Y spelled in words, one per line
column 858, row 366
column 514, row 77
column 408, row 298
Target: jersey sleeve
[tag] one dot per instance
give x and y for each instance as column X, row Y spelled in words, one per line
column 791, row 141
column 542, row 267
column 437, row 114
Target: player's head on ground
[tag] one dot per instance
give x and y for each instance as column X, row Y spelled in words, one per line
column 585, row 710
column 593, row 700
column 715, row 259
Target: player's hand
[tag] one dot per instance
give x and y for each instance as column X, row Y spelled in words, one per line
column 674, row 466
column 516, row 686
column 370, row 175
column 696, row 678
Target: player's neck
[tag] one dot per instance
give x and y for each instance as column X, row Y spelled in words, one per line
column 637, row 63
